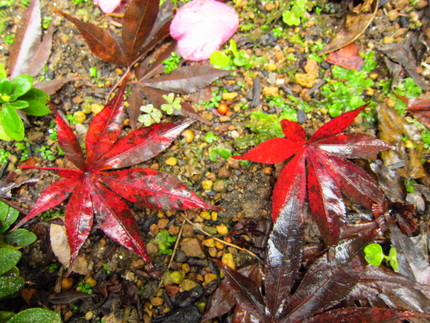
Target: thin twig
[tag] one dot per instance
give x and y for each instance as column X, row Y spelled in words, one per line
column 221, row 241
column 176, row 245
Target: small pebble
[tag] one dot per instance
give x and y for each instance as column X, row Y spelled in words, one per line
column 66, row 283
column 229, row 95
column 156, row 301
column 222, row 229
column 228, row 260
column 171, row 161
column 188, row 135
column 219, row 185
column 209, row 242
column 96, row 108
column 305, row 80
column 205, row 215
column 188, row 284
column 207, row 184
column 88, row 315
column 209, row 277
column 79, row 116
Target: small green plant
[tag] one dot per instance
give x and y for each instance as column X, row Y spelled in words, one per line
column 150, row 115
column 345, row 92
column 263, row 127
column 106, row 269
column 85, row 287
column 173, row 103
column 210, row 137
column 11, row 281
column 374, row 255
column 213, row 102
column 46, row 153
column 4, row 156
column 25, row 147
column 219, row 151
column 165, row 241
column 295, row 12
column 53, row 267
column 19, row 94
column 231, row 58
column 172, row 63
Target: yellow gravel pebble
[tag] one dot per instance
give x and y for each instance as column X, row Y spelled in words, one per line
column 222, row 229
column 207, row 184
column 228, row 260
column 79, row 116
column 171, row 161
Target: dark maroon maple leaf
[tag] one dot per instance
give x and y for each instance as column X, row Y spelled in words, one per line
column 144, row 26
column 419, row 108
column 319, row 170
column 98, row 187
column 331, row 288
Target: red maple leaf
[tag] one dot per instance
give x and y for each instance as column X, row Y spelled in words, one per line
column 98, row 189
column 320, row 171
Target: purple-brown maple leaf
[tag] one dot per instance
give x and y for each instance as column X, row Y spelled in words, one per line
column 319, row 170
column 100, row 183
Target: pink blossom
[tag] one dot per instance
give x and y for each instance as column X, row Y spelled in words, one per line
column 108, row 6
column 201, row 27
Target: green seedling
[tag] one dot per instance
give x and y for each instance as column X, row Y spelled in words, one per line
column 295, row 13
column 219, row 151
column 85, row 287
column 10, row 241
column 213, row 102
column 263, row 127
column 25, row 147
column 210, row 137
column 374, row 255
column 19, row 94
column 231, row 58
column 165, row 242
column 46, row 153
column 173, row 103
column 346, row 90
column 172, row 63
column 150, row 115
column 4, row 156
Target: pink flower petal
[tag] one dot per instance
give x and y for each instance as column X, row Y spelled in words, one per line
column 108, row 6
column 201, row 27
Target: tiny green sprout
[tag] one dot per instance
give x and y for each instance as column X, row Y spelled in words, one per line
column 172, row 63
column 165, row 241
column 4, row 156
column 150, row 115
column 210, row 137
column 94, row 72
column 9, row 39
column 172, row 103
column 46, row 22
column 85, row 287
column 53, row 267
column 231, row 58
column 218, row 151
column 106, row 269
column 374, row 255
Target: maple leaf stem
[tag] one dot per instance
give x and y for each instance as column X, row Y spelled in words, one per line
column 46, row 168
column 124, row 78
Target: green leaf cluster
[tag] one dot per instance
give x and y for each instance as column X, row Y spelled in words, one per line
column 172, row 63
column 173, row 103
column 165, row 241
column 346, row 90
column 263, row 127
column 33, row 315
column 232, row 58
column 150, row 115
column 296, row 12
column 10, row 280
column 374, row 255
column 19, row 94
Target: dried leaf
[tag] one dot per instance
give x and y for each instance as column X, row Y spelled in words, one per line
column 347, row 57
column 50, row 87
column 356, row 22
column 419, row 108
column 392, row 128
column 28, row 53
column 400, row 53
